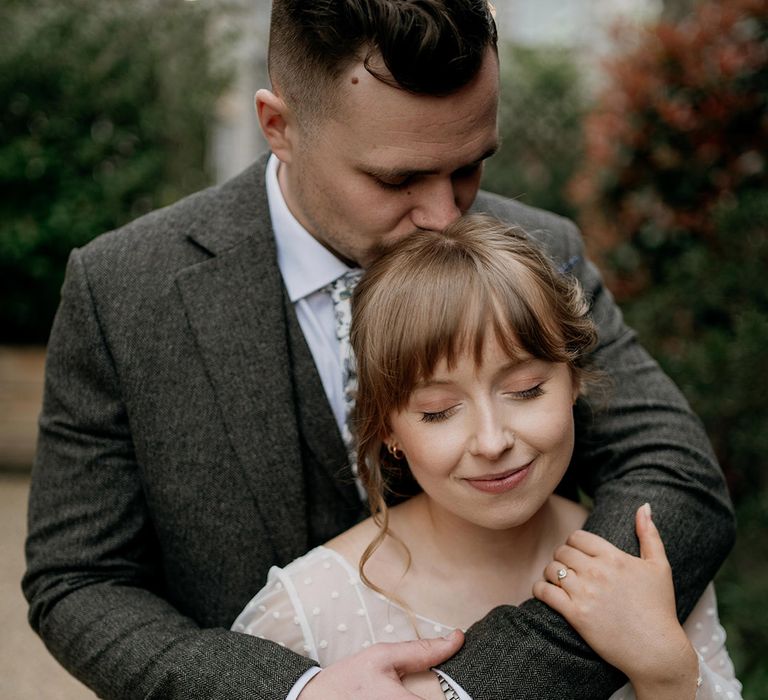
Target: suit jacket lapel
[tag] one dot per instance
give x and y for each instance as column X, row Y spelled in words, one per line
column 240, row 332
column 239, row 312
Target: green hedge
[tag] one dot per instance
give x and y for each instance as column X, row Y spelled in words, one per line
column 105, row 117
column 541, row 110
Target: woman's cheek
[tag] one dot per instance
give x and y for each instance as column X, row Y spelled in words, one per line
column 547, row 426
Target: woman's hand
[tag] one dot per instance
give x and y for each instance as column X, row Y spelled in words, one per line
column 624, row 608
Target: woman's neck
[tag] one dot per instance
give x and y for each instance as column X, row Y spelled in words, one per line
column 452, row 571
column 459, row 571
column 450, row 541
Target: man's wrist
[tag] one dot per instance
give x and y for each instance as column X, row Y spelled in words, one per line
column 300, row 684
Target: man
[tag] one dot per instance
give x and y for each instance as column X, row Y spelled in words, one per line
column 191, row 435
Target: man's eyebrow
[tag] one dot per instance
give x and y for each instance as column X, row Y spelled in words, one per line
column 403, row 173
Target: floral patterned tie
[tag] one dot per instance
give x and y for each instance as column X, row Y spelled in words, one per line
column 341, row 294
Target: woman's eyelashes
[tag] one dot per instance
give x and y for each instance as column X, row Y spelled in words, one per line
column 435, row 416
column 530, row 393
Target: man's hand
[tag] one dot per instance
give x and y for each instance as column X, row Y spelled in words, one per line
column 424, row 685
column 376, row 673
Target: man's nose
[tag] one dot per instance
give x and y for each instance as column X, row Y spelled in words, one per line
column 438, row 205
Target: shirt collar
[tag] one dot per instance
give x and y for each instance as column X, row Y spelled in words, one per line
column 305, row 264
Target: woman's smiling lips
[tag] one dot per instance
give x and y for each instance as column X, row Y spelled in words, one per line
column 504, row 481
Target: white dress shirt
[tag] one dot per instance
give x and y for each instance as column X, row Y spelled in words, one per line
column 307, row 267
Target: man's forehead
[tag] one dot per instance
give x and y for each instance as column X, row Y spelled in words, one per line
column 384, row 129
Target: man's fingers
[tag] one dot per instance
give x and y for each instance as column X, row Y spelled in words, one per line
column 376, row 673
column 651, row 546
column 423, row 654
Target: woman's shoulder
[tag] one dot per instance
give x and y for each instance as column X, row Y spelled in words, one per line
column 295, row 587
column 352, row 543
column 389, row 560
column 320, row 568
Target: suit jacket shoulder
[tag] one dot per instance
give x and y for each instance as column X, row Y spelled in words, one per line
column 557, row 235
column 216, row 218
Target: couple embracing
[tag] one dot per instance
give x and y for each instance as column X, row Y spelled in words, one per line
column 199, row 426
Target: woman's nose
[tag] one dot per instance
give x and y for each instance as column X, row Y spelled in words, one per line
column 491, row 437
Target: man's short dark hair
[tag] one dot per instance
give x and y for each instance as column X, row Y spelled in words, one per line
column 428, row 47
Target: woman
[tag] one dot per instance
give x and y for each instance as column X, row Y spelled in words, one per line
column 470, row 351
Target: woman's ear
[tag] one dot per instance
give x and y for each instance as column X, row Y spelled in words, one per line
column 277, row 123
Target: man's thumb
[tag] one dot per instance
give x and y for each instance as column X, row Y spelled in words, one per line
column 423, row 654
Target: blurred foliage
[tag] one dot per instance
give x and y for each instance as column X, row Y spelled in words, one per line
column 680, row 129
column 540, row 115
column 705, row 318
column 673, row 195
column 105, row 117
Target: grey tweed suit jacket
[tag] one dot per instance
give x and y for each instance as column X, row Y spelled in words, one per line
column 186, row 446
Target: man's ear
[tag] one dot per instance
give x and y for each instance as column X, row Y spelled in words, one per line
column 277, row 123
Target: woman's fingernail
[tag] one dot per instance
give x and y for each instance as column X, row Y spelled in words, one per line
column 646, row 507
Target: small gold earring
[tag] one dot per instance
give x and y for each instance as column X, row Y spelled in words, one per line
column 395, row 451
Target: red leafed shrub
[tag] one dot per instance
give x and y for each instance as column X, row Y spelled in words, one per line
column 673, row 199
column 680, row 129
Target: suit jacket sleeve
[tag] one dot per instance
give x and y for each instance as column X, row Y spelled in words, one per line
column 643, row 444
column 93, row 578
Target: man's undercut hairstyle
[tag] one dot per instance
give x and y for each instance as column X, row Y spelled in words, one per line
column 426, row 47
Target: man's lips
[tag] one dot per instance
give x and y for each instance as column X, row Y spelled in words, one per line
column 503, row 481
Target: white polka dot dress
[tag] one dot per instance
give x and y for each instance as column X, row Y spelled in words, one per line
column 318, row 607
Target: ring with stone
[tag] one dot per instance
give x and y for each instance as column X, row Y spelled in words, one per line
column 561, row 574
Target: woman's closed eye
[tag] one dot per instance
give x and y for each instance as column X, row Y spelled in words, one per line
column 530, row 393
column 435, row 416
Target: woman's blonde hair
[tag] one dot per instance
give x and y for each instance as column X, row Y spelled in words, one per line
column 434, row 296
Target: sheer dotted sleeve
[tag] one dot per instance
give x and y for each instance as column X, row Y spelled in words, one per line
column 717, row 679
column 273, row 614
column 316, row 606
column 319, row 607
column 716, row 672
